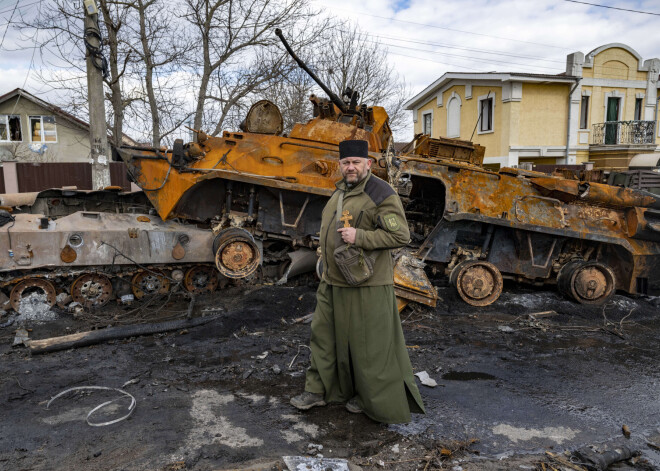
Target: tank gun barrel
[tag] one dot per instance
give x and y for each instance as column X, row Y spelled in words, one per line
column 335, row 99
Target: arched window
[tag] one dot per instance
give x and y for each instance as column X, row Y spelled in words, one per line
column 454, row 116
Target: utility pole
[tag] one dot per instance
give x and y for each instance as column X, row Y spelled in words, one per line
column 96, row 69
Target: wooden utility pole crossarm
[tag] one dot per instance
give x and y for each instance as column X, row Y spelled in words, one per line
column 98, row 137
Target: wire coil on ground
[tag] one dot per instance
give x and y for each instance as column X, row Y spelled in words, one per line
column 131, row 406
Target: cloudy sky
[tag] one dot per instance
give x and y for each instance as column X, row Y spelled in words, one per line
column 426, row 38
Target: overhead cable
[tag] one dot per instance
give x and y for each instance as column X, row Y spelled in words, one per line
column 389, row 18
column 22, row 6
column 8, row 24
column 614, row 8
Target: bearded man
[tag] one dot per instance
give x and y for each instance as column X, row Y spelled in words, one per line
column 359, row 354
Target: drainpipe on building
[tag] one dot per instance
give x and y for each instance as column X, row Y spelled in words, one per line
column 568, row 130
column 655, row 120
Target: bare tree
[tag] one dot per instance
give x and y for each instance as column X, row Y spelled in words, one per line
column 238, row 53
column 209, row 59
column 160, row 53
column 114, row 16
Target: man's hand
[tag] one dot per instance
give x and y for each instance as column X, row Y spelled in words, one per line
column 347, row 234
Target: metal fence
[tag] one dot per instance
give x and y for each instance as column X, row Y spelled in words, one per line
column 624, row 132
column 41, row 176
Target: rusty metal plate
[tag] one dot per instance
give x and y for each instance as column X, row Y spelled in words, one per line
column 178, row 252
column 68, row 254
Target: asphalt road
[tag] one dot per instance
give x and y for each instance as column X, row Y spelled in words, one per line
column 517, row 382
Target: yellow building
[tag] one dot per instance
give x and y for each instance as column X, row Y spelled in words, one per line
column 604, row 106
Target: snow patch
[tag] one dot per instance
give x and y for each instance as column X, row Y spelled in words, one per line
column 311, row 430
column 77, row 414
column 213, row 428
column 253, row 397
column 516, row 434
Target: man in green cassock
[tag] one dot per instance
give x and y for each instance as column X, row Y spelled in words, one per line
column 359, row 354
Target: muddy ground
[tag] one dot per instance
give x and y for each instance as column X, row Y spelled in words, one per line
column 512, row 385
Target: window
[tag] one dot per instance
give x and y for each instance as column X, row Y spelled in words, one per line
column 427, row 123
column 42, row 129
column 10, row 128
column 638, row 109
column 454, row 117
column 584, row 113
column 486, row 114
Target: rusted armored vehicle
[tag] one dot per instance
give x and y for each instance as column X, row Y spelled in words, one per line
column 260, row 191
column 241, row 206
column 479, row 227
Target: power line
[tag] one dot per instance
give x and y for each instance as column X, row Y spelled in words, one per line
column 451, row 46
column 614, row 8
column 435, row 62
column 7, row 29
column 22, row 6
column 480, row 51
column 389, row 18
column 469, row 57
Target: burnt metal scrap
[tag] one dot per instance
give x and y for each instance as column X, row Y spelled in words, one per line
column 247, row 205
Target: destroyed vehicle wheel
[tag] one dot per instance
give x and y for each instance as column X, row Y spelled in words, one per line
column 151, row 282
column 33, row 290
column 92, row 290
column 478, row 282
column 236, row 253
column 201, row 279
column 586, row 282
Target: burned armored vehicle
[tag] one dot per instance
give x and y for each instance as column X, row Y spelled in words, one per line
column 479, row 227
column 92, row 246
column 261, row 192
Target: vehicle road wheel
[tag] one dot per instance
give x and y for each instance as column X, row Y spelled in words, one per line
column 586, row 282
column 29, row 286
column 236, row 253
column 92, row 290
column 150, row 282
column 201, row 279
column 478, row 282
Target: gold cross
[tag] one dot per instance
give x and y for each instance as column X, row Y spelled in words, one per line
column 345, row 217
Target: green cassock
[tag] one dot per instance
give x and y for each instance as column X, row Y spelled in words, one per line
column 357, row 342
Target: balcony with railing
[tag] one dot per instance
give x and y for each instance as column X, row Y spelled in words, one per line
column 627, row 133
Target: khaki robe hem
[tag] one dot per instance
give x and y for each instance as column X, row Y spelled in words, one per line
column 358, row 348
